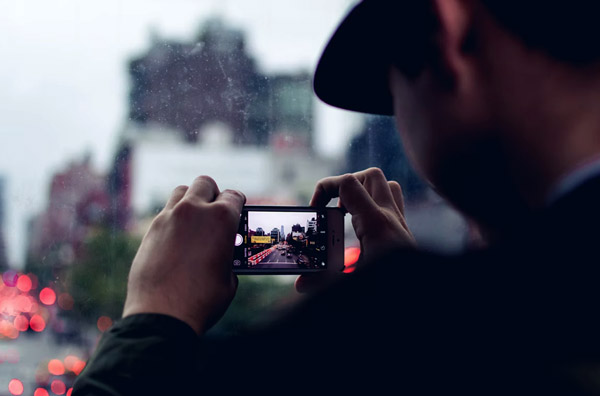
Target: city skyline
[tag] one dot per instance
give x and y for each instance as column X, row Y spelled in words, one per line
column 77, row 114
column 269, row 220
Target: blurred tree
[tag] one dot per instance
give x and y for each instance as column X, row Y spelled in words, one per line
column 98, row 281
column 98, row 284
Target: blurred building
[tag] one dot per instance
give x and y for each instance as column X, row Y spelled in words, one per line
column 203, row 107
column 378, row 144
column 78, row 201
column 185, row 85
column 3, row 254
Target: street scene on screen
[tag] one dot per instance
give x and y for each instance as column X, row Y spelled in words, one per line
column 285, row 240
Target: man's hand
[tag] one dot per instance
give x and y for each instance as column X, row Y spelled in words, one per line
column 377, row 209
column 183, row 266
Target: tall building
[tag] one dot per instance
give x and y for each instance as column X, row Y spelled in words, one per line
column 186, row 85
column 77, row 202
column 281, row 233
column 275, row 235
column 3, row 255
column 203, row 107
column 378, row 145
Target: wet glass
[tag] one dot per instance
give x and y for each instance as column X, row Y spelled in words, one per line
column 107, row 106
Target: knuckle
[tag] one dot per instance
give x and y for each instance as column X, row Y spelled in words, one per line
column 160, row 220
column 375, row 172
column 205, row 179
column 394, row 184
column 180, row 189
column 238, row 194
column 348, row 178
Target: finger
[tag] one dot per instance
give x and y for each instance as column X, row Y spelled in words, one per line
column 355, row 197
column 176, row 196
column 203, row 188
column 233, row 199
column 396, row 190
column 326, row 190
column 377, row 185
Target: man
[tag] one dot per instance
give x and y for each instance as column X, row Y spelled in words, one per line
column 495, row 101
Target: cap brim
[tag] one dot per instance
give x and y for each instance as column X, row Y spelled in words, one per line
column 352, row 73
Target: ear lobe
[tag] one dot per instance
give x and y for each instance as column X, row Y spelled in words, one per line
column 454, row 39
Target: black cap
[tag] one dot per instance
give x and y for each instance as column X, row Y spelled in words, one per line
column 352, row 73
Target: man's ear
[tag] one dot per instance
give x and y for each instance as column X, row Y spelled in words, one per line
column 454, row 40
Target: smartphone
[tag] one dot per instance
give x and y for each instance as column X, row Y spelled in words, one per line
column 289, row 240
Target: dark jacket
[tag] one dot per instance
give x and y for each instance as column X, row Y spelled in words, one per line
column 519, row 318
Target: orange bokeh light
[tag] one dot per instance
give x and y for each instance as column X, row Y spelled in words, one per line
column 47, row 296
column 58, row 387
column 56, row 367
column 37, row 323
column 104, row 323
column 15, row 387
column 24, row 283
column 21, row 323
column 70, row 361
column 351, row 256
column 41, row 392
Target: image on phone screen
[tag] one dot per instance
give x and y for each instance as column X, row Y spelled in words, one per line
column 281, row 241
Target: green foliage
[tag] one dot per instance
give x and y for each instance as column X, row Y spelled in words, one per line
column 98, row 282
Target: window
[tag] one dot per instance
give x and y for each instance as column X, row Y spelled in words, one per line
column 107, row 106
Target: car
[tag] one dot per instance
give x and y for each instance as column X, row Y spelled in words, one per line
column 289, row 255
column 283, row 252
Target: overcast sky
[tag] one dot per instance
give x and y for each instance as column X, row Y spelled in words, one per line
column 64, row 78
column 269, row 220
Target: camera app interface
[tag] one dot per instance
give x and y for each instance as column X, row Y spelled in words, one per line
column 271, row 241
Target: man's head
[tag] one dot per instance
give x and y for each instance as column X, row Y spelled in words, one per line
column 478, row 88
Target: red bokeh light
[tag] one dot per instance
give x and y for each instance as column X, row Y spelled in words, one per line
column 56, row 367
column 69, row 391
column 47, row 296
column 58, row 387
column 104, row 323
column 70, row 361
column 24, row 283
column 21, row 323
column 351, row 256
column 78, row 366
column 23, row 303
column 41, row 392
column 37, row 323
column 15, row 387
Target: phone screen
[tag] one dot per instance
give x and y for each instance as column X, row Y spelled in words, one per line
column 274, row 239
